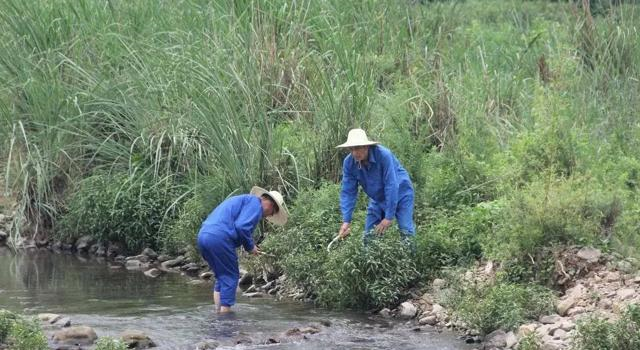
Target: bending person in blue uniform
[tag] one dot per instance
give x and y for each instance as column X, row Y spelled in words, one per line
column 229, row 226
column 383, row 179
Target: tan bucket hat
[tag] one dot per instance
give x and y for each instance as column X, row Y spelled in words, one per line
column 279, row 218
column 357, row 137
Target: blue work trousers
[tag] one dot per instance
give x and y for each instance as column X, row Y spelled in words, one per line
column 403, row 214
column 220, row 253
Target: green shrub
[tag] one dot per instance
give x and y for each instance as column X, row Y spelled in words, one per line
column 350, row 276
column 454, row 179
column 453, row 237
column 300, row 247
column 499, row 305
column 108, row 343
column 27, row 335
column 529, row 342
column 595, row 333
column 182, row 232
column 550, row 144
column 7, row 319
column 121, row 208
column 548, row 213
column 538, row 268
column 362, row 276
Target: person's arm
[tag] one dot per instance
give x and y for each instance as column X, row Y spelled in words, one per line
column 348, row 192
column 246, row 222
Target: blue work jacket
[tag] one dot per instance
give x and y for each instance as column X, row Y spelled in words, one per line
column 383, row 179
column 235, row 218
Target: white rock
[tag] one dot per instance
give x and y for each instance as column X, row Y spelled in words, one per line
column 438, row 284
column 527, row 329
column 576, row 311
column 50, row 318
column 589, row 254
column 437, row 310
column 429, row 320
column 511, row 340
column 548, row 319
column 496, row 339
column 613, row 276
column 559, row 334
column 626, row 293
column 153, row 273
column 567, row 325
column 407, row 310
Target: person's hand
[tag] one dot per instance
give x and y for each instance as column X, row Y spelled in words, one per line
column 345, row 229
column 256, row 250
column 382, row 226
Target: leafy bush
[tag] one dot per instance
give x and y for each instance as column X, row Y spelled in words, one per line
column 27, row 335
column 550, row 144
column 499, row 305
column 182, row 231
column 538, row 268
column 7, row 319
column 301, row 246
column 121, row 208
column 108, row 343
column 365, row 276
column 454, row 179
column 595, row 333
column 551, row 212
column 529, row 342
column 453, row 237
column 19, row 333
column 351, row 275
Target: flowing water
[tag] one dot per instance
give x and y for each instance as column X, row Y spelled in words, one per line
column 178, row 315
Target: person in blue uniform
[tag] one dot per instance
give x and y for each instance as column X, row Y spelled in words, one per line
column 377, row 170
column 229, row 226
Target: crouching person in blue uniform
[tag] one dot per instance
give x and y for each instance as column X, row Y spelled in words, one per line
column 383, row 179
column 229, row 226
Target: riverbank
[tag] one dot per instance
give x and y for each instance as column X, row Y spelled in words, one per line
column 594, row 284
column 177, row 315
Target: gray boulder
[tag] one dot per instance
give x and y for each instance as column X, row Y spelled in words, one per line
column 135, row 339
column 84, row 243
column 78, row 335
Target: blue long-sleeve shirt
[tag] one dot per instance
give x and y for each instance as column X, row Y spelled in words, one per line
column 236, row 217
column 383, row 179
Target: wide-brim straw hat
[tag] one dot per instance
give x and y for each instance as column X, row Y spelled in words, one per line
column 279, row 218
column 357, row 137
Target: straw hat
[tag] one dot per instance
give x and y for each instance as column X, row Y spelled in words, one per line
column 357, row 137
column 279, row 218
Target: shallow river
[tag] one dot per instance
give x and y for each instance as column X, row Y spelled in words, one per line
column 178, row 315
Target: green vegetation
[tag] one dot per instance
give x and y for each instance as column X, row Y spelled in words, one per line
column 598, row 333
column 529, row 342
column 20, row 333
column 125, row 209
column 489, row 306
column 108, row 343
column 516, row 120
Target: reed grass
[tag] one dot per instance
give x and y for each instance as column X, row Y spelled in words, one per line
column 261, row 92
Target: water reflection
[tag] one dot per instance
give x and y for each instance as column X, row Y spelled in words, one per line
column 68, row 283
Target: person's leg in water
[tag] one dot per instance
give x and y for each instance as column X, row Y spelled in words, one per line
column 227, row 275
column 223, row 261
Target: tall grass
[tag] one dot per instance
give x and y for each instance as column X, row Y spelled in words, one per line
column 254, row 92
